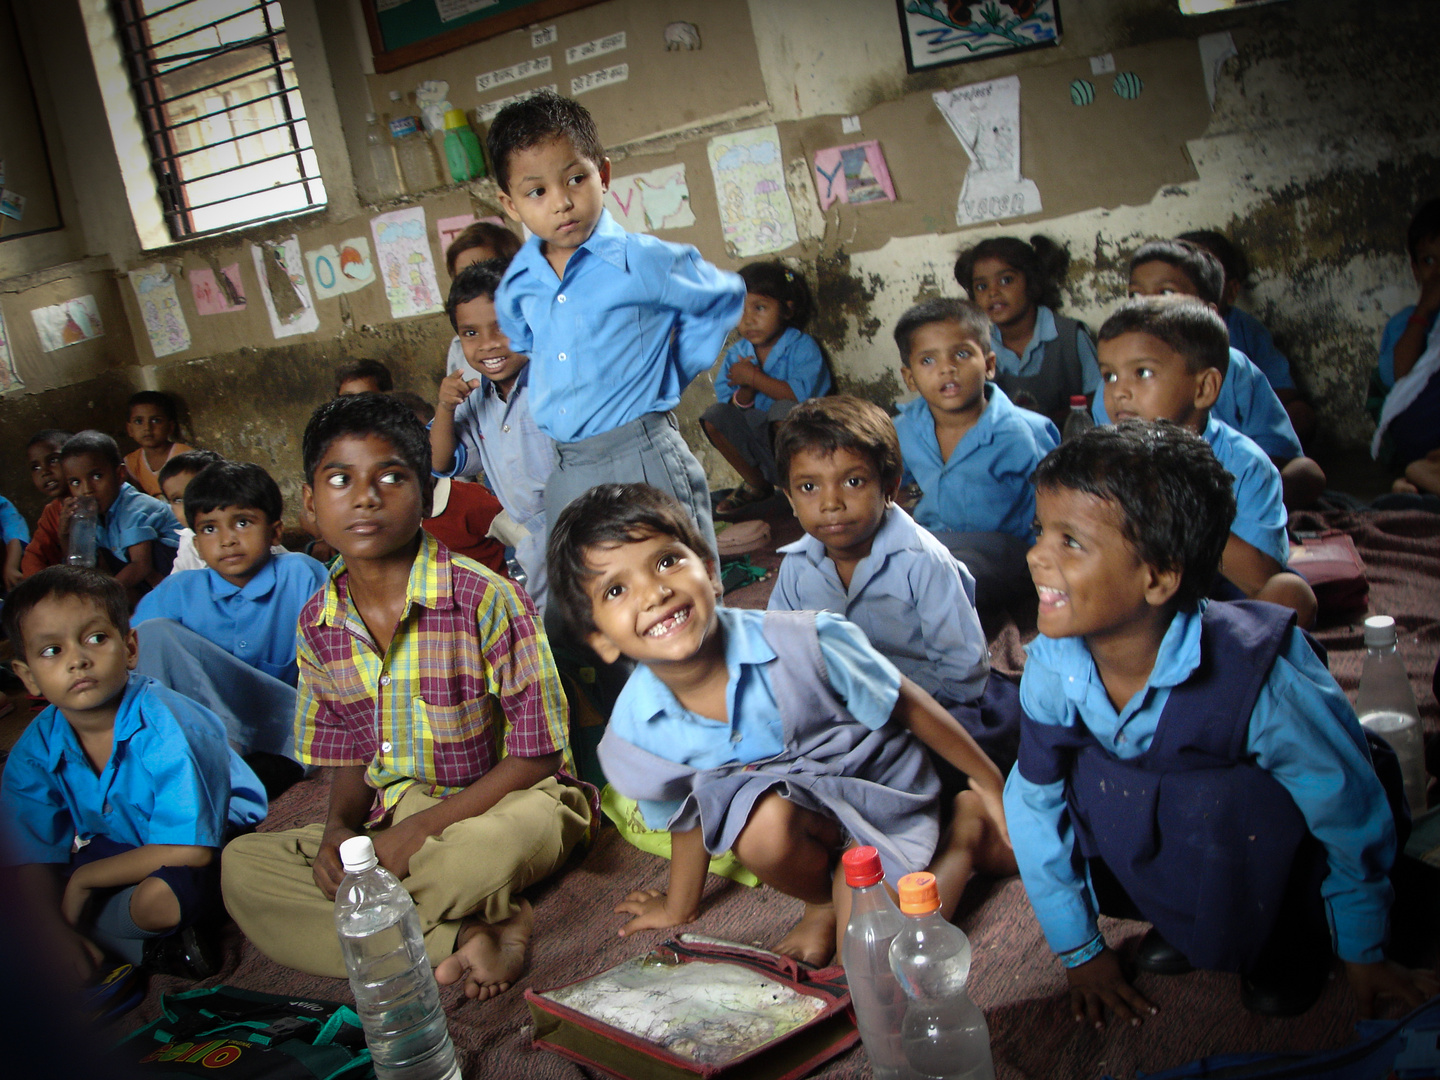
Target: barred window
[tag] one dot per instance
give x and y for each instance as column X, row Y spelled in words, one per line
column 217, row 97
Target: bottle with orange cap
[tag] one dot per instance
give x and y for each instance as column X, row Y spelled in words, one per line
column 944, row 1034
column 874, row 991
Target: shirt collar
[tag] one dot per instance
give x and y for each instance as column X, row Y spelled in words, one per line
column 786, row 339
column 260, row 585
column 890, row 537
column 1175, row 661
column 1045, row 331
column 608, row 240
column 745, row 644
column 428, row 585
column 127, row 722
column 522, row 379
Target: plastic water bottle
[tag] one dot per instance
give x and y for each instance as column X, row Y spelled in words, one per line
column 84, row 525
column 462, row 148
column 1079, row 421
column 944, row 1033
column 1386, row 706
column 879, row 1002
column 383, row 165
column 395, row 991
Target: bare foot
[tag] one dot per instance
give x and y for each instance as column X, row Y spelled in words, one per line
column 1404, row 487
column 489, row 956
column 812, row 939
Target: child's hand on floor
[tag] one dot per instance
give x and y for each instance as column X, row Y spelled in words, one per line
column 649, row 906
column 1370, row 982
column 1098, row 984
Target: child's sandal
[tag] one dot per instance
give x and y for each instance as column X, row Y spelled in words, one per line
column 741, row 497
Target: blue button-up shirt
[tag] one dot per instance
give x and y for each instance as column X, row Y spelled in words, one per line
column 914, row 600
column 12, row 525
column 985, row 485
column 1029, row 363
column 1250, row 336
column 1260, row 515
column 622, row 334
column 255, row 622
column 171, row 779
column 133, row 518
column 794, row 359
column 648, row 715
column 1302, row 731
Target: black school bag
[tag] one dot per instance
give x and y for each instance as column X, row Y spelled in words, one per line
column 233, row 1034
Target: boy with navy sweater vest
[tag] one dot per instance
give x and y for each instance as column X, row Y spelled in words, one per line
column 616, row 324
column 1192, row 764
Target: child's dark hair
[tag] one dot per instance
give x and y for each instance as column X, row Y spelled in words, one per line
column 536, row 119
column 942, row 309
column 785, row 286
column 473, row 282
column 366, row 414
column 424, row 411
column 365, row 369
column 1176, row 501
column 1232, row 259
column 192, row 461
column 99, row 588
column 1185, row 324
column 233, row 483
column 164, row 402
column 824, row 425
column 1043, row 262
column 500, row 240
column 1425, row 225
column 94, row 442
column 609, row 515
column 1202, row 268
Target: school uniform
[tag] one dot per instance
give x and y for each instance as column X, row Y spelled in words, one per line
column 12, row 525
column 1260, row 515
column 613, row 344
column 1058, row 363
column 187, row 555
column 133, row 518
column 1251, row 337
column 807, row 697
column 1239, row 746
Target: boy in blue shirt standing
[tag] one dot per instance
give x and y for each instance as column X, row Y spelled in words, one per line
column 1186, row 762
column 117, row 798
column 616, row 324
column 225, row 635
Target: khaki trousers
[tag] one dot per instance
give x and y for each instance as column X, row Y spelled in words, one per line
column 472, row 868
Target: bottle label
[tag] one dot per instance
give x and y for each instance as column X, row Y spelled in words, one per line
column 402, row 126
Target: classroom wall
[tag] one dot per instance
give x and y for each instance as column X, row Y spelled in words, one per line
column 1320, row 142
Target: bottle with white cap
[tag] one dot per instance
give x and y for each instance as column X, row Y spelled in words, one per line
column 1386, row 706
column 395, row 991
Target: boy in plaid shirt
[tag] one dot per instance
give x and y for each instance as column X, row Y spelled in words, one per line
column 429, row 694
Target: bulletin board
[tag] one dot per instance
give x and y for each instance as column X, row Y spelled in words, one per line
column 23, row 154
column 404, row 31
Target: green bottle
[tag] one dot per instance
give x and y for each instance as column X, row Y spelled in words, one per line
column 462, row 148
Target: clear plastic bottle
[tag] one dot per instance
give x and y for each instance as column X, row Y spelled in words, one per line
column 879, row 1002
column 1386, row 706
column 390, row 976
column 944, row 1033
column 1079, row 420
column 419, row 167
column 383, row 164
column 84, row 526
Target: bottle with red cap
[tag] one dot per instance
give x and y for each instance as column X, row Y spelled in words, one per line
column 879, row 1002
column 944, row 1034
column 1078, row 420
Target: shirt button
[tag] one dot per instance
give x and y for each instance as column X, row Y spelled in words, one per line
column 560, row 298
column 385, row 679
column 505, row 428
column 243, row 644
column 107, row 808
column 562, row 356
column 736, row 737
column 384, row 747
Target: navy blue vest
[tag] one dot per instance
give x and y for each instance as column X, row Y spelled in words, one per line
column 1200, row 836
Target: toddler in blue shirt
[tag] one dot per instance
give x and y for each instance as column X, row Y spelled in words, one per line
column 1187, row 762
column 616, row 324
column 781, row 736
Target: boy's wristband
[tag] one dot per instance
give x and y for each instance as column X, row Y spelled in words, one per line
column 1085, row 953
column 1420, row 318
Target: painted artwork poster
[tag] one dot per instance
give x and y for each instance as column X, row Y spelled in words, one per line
column 70, row 323
column 402, row 253
column 160, row 310
column 985, row 117
column 340, row 268
column 291, row 310
column 853, row 174
column 953, row 31
column 755, row 212
column 212, row 297
column 645, row 202
column 9, row 377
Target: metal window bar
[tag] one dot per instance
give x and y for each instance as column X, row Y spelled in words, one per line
column 243, row 165
column 199, row 29
column 229, row 108
column 222, row 142
column 159, row 125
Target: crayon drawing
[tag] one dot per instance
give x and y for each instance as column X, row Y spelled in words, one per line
column 214, row 296
column 755, row 212
column 953, row 31
column 67, row 324
column 160, row 310
column 853, row 174
column 402, row 252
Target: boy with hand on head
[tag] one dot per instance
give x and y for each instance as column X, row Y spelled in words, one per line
column 118, row 797
column 969, row 447
column 616, row 324
column 153, row 423
column 481, row 242
column 781, row 736
column 866, row 559
column 363, row 377
column 225, row 635
column 1246, row 401
column 136, row 532
column 484, row 424
column 429, row 693
column 42, row 453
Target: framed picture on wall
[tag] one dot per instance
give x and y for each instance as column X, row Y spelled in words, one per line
column 403, row 32
column 942, row 32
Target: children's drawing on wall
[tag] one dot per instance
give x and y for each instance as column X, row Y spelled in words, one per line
column 9, row 377
column 940, row 32
column 70, row 323
column 985, row 117
column 217, row 294
column 1205, row 7
column 12, row 204
column 281, row 271
column 645, row 202
column 340, row 268
column 853, row 174
column 402, row 253
column 160, row 310
column 755, row 212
